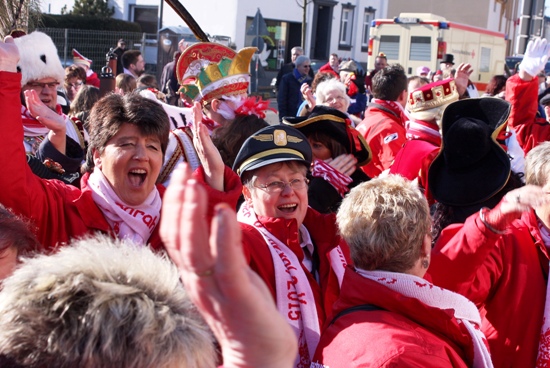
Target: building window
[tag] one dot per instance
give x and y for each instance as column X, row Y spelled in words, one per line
column 368, row 16
column 346, row 27
column 146, row 16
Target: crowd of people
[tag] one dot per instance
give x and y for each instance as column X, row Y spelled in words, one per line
column 386, row 220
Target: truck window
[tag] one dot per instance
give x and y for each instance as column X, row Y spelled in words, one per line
column 485, row 60
column 421, row 48
column 389, row 45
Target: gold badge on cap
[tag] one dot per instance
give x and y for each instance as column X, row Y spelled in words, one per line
column 279, row 137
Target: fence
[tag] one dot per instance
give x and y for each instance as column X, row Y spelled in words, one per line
column 95, row 45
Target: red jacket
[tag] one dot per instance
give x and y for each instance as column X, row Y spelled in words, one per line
column 504, row 275
column 60, row 212
column 385, row 134
column 322, row 229
column 405, row 333
column 413, row 161
column 328, row 69
column 530, row 128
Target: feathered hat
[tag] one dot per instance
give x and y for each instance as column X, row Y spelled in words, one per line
column 38, row 58
column 208, row 70
column 78, row 58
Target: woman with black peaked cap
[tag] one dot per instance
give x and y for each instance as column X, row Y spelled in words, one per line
column 339, row 151
column 294, row 249
column 472, row 169
column 498, row 257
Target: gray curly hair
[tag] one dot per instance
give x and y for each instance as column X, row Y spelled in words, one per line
column 101, row 303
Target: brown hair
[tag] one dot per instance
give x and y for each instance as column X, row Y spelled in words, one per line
column 112, row 111
column 336, row 148
column 16, row 232
column 229, row 138
column 126, row 83
column 74, row 71
column 389, row 83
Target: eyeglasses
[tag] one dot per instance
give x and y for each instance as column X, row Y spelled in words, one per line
column 279, row 186
column 74, row 85
column 38, row 85
column 306, row 66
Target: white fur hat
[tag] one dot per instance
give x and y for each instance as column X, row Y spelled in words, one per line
column 38, row 58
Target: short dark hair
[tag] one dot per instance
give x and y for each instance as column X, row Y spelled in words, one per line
column 389, row 82
column 112, row 111
column 130, row 57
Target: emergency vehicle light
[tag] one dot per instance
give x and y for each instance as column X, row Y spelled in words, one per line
column 406, row 20
column 443, row 25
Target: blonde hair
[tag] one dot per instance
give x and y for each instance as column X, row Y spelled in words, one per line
column 101, row 303
column 125, row 83
column 384, row 221
column 537, row 165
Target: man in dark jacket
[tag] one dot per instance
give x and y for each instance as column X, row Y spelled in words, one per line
column 289, row 67
column 289, row 96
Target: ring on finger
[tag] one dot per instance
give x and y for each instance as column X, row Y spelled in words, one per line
column 206, row 273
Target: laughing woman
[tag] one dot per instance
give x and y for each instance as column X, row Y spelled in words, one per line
column 293, row 248
column 128, row 138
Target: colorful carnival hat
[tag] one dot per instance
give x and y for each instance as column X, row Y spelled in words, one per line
column 38, row 58
column 335, row 124
column 270, row 145
column 471, row 166
column 432, row 95
column 78, row 58
column 209, row 70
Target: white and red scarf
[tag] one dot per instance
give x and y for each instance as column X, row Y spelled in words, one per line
column 421, row 130
column 393, row 106
column 464, row 310
column 31, row 126
column 132, row 223
column 334, row 177
column 295, row 299
column 543, row 357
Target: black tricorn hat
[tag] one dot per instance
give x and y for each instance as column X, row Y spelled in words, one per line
column 471, row 166
column 272, row 144
column 337, row 125
column 448, row 58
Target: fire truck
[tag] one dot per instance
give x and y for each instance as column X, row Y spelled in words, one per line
column 421, row 39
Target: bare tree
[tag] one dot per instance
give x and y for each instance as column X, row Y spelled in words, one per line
column 303, row 4
column 18, row 14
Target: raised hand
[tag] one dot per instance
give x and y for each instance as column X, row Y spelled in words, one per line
column 345, row 163
column 233, row 300
column 462, row 77
column 208, row 154
column 536, row 56
column 9, row 55
column 308, row 95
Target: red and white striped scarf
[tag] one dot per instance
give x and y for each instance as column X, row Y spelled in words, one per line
column 464, row 310
column 31, row 126
column 295, row 299
column 418, row 129
column 334, row 177
column 395, row 107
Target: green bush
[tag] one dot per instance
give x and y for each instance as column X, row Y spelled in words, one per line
column 88, row 22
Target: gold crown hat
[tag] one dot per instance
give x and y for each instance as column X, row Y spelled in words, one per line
column 432, row 95
column 207, row 70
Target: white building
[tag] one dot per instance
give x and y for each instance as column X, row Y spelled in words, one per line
column 340, row 27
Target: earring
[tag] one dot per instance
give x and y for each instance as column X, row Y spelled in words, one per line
column 425, row 263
